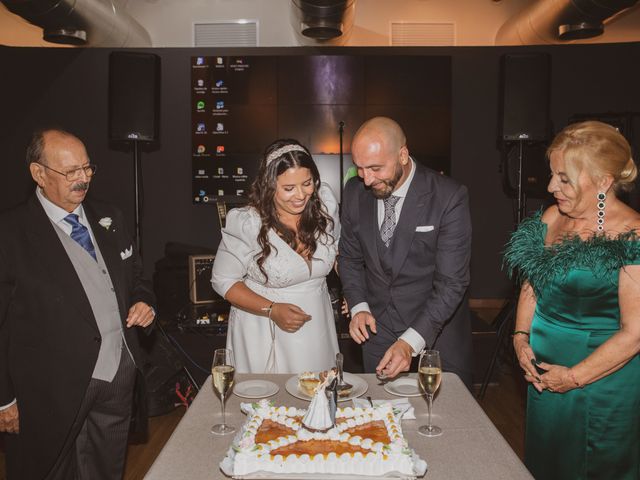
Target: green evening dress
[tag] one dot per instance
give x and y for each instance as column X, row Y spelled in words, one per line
column 591, row 432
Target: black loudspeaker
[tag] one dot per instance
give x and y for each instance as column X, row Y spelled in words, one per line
column 525, row 97
column 134, row 94
column 535, row 169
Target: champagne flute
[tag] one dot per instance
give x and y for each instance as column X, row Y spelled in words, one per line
column 222, row 372
column 429, row 375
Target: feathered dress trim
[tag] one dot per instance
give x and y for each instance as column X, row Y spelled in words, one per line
column 528, row 259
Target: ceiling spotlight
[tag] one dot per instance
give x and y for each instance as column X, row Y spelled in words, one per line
column 65, row 36
column 580, row 30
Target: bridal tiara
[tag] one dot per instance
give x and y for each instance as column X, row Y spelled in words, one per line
column 282, row 150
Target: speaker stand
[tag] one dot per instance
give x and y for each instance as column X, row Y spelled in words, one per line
column 506, row 318
column 138, row 192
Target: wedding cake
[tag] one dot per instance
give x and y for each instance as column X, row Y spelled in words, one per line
column 362, row 441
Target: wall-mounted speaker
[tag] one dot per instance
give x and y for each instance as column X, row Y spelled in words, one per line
column 525, row 85
column 134, row 96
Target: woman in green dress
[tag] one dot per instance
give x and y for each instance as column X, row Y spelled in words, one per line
column 577, row 332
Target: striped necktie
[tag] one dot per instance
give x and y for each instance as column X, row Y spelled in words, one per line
column 80, row 234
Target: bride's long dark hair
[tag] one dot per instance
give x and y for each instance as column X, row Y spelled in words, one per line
column 314, row 221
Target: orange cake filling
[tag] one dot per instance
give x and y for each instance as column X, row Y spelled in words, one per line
column 376, row 431
column 312, row 447
column 270, row 430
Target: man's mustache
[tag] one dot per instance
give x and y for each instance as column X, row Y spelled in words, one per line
column 80, row 186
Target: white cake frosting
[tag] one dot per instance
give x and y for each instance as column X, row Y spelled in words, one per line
column 246, row 456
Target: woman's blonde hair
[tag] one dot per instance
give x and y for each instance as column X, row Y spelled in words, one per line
column 600, row 149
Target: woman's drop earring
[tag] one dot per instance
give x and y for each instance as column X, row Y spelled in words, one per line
column 602, row 196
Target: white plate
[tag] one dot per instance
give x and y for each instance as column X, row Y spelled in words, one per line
column 404, row 387
column 360, row 386
column 255, row 389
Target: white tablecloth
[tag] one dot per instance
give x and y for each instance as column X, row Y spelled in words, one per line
column 469, row 448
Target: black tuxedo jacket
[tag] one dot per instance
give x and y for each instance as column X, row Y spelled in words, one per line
column 49, row 338
column 430, row 268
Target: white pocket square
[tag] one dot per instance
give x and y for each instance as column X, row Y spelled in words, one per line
column 126, row 253
column 424, row 228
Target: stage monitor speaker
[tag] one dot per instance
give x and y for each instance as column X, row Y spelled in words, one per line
column 535, row 169
column 200, row 289
column 134, row 94
column 525, row 97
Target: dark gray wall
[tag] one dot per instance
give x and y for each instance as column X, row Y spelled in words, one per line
column 69, row 88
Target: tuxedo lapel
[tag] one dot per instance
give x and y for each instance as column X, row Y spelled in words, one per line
column 414, row 202
column 55, row 261
column 369, row 225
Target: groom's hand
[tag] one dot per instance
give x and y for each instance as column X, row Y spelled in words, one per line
column 358, row 326
column 395, row 360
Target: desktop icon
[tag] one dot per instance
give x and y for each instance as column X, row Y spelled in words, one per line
column 201, row 127
column 200, row 105
column 220, row 171
column 220, row 60
column 219, row 127
column 219, row 83
column 219, row 104
column 200, row 61
column 201, row 149
column 240, row 171
column 220, row 149
column 200, row 82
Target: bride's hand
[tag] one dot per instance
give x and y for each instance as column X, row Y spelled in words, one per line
column 288, row 317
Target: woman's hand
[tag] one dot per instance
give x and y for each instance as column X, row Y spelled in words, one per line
column 557, row 378
column 288, row 317
column 526, row 358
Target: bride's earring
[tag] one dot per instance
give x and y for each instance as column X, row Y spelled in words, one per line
column 602, row 196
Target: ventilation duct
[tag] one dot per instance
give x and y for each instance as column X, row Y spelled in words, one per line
column 94, row 23
column 553, row 21
column 326, row 21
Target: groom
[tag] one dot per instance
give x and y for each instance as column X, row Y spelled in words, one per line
column 404, row 256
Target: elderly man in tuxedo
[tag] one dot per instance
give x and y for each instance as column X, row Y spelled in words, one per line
column 404, row 256
column 71, row 291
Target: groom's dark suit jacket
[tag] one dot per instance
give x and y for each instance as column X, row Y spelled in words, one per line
column 49, row 338
column 431, row 250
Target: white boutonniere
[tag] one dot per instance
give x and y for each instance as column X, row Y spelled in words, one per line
column 105, row 222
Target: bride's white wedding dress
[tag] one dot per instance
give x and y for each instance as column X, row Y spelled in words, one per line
column 258, row 345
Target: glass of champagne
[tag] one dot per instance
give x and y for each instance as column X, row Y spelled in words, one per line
column 222, row 372
column 429, row 375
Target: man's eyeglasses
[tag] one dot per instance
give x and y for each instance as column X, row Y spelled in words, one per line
column 74, row 174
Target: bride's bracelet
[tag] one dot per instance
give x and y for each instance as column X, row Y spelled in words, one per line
column 268, row 309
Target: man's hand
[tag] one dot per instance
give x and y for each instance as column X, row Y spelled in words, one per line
column 9, row 422
column 358, row 326
column 395, row 360
column 140, row 315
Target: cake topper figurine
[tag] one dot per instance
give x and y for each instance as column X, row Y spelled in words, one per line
column 321, row 415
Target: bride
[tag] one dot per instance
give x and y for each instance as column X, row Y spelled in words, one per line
column 271, row 266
